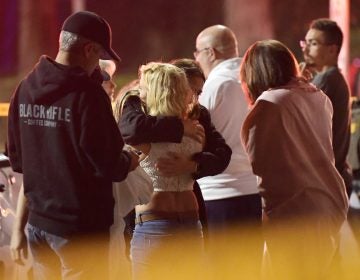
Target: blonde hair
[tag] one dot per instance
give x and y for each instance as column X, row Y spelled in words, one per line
column 166, row 88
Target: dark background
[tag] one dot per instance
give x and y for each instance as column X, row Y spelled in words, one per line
column 147, row 30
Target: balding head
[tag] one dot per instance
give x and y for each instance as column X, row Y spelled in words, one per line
column 217, row 43
column 220, row 38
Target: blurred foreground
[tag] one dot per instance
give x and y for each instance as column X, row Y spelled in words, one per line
column 231, row 257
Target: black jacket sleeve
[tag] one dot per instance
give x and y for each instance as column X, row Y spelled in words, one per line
column 216, row 154
column 101, row 141
column 13, row 140
column 136, row 127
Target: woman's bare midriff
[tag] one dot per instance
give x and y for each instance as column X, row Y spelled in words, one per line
column 170, row 202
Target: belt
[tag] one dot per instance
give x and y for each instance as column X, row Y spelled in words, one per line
column 173, row 216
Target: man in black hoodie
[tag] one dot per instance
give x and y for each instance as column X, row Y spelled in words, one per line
column 63, row 138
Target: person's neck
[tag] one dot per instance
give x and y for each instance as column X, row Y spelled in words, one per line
column 69, row 59
column 323, row 68
column 214, row 64
column 217, row 62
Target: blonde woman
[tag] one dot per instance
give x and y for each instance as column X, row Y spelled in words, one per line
column 173, row 209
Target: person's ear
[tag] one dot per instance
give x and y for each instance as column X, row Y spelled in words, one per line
column 333, row 49
column 88, row 49
column 212, row 54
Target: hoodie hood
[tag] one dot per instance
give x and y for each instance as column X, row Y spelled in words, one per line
column 50, row 80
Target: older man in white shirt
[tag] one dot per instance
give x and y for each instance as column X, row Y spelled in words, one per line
column 231, row 197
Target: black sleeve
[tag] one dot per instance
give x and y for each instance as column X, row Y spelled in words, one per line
column 13, row 140
column 216, row 154
column 136, row 127
column 101, row 141
column 335, row 87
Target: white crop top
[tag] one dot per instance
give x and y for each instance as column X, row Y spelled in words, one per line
column 180, row 183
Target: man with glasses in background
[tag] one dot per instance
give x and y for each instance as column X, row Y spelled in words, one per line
column 321, row 49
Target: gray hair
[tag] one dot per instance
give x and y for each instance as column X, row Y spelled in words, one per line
column 69, row 41
column 105, row 63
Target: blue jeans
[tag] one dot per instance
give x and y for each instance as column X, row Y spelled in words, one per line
column 75, row 258
column 163, row 244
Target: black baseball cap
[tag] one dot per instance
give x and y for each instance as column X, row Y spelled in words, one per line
column 93, row 27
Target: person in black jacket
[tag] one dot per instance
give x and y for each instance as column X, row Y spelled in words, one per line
column 136, row 127
column 63, row 138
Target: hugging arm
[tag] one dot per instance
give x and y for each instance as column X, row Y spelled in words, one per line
column 137, row 127
column 216, row 154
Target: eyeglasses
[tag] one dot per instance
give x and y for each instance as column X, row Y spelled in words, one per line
column 311, row 43
column 196, row 52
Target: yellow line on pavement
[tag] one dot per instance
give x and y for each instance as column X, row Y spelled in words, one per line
column 4, row 109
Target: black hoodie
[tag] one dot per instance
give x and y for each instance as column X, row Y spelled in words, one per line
column 63, row 137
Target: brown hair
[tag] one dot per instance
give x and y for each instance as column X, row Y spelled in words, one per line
column 332, row 32
column 192, row 70
column 266, row 64
column 190, row 67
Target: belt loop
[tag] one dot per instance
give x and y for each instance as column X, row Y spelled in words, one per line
column 140, row 220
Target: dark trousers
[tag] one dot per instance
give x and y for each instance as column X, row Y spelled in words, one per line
column 235, row 211
column 235, row 235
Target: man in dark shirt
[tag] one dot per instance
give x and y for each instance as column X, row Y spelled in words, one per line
column 64, row 139
column 321, row 49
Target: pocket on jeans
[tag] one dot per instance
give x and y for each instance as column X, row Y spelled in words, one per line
column 156, row 241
